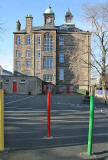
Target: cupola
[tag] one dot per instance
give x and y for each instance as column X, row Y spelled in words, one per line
column 69, row 18
column 49, row 17
column 49, row 10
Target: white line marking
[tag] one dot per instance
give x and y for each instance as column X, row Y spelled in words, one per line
column 25, row 111
column 17, row 108
column 23, row 108
column 71, row 121
column 18, row 100
column 17, row 118
column 48, row 138
column 43, row 110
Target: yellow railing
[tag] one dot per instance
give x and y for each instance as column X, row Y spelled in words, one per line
column 1, row 120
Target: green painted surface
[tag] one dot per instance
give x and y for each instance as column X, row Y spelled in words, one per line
column 91, row 121
column 82, row 91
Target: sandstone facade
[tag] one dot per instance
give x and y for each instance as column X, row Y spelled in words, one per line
column 75, row 48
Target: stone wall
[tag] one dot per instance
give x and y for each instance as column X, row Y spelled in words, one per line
column 76, row 53
column 49, row 53
column 23, row 47
column 25, row 85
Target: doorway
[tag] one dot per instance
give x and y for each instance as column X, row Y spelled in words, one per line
column 14, row 86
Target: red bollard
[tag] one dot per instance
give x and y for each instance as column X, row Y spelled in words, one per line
column 48, row 113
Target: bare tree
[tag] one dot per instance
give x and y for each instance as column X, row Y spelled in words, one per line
column 97, row 17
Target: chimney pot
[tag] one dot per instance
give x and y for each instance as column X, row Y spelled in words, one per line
column 18, row 25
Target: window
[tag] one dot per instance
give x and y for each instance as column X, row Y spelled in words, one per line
column 28, row 74
column 6, row 81
column 61, row 74
column 17, row 53
column 38, row 54
column 38, row 40
column 68, row 19
column 61, row 58
column 28, row 64
column 38, row 65
column 48, row 42
column 17, row 64
column 48, row 77
column 48, row 62
column 28, row 53
column 18, row 40
column 28, row 40
column 22, row 81
column 61, row 40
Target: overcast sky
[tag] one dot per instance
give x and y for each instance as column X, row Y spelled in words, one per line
column 12, row 10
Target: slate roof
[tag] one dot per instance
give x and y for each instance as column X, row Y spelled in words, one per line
column 63, row 28
column 69, row 28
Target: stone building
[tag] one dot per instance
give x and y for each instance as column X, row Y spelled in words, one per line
column 56, row 54
column 21, row 84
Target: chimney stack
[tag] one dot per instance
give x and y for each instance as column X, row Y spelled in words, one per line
column 29, row 19
column 18, row 25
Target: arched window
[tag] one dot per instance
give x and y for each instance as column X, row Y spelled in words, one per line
column 69, row 19
column 48, row 42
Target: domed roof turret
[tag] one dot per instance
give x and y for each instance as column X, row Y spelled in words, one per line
column 49, row 10
column 69, row 13
column 69, row 18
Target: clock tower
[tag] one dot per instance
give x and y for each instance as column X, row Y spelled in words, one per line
column 49, row 17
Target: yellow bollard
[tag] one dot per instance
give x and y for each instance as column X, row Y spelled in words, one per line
column 1, row 120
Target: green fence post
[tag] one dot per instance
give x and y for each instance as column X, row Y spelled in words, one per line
column 91, row 121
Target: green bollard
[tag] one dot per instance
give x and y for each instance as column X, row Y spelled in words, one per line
column 91, row 121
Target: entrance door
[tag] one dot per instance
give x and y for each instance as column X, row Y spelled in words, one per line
column 68, row 89
column 14, row 86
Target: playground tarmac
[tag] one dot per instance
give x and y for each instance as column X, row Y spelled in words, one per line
column 26, row 128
